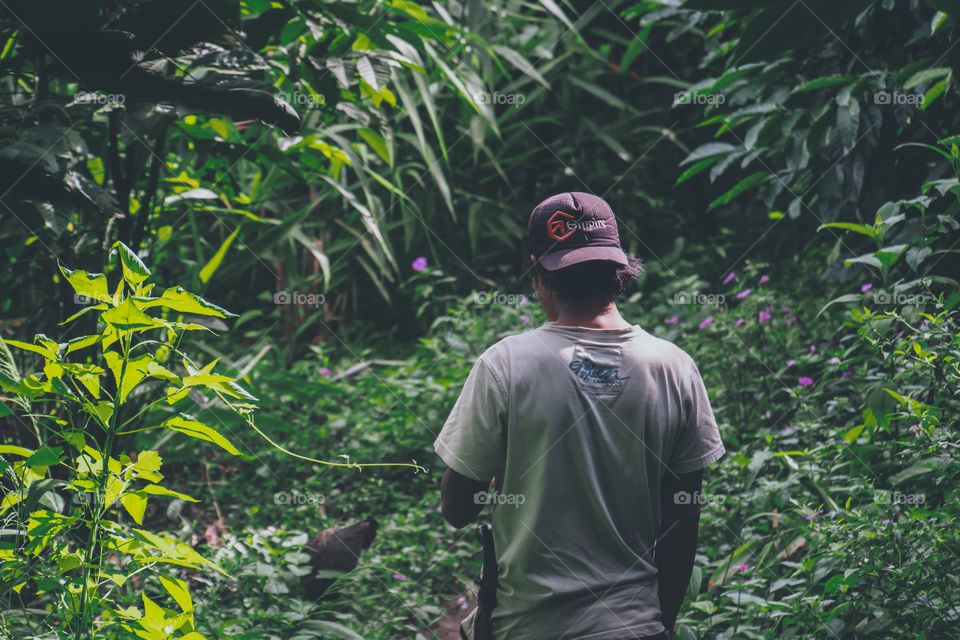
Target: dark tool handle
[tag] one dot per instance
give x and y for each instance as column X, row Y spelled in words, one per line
column 487, row 596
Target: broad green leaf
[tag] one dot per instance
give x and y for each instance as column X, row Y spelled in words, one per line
column 134, row 271
column 852, row 226
column 92, row 286
column 135, row 502
column 45, row 456
column 159, row 490
column 177, row 299
column 376, row 142
column 127, row 317
column 178, row 589
column 136, row 370
column 188, row 425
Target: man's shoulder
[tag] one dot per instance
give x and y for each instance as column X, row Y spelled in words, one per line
column 653, row 347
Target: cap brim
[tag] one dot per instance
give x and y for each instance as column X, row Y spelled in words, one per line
column 560, row 259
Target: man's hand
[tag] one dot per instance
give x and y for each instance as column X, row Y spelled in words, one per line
column 457, row 498
column 677, row 540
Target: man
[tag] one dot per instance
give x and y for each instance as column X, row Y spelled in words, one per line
column 598, row 432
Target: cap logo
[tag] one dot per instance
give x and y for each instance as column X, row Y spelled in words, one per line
column 557, row 227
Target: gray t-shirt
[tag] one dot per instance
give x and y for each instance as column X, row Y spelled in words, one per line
column 586, row 422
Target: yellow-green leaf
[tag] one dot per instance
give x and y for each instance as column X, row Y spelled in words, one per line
column 135, row 503
column 186, row 424
column 126, row 316
column 134, row 271
column 180, row 592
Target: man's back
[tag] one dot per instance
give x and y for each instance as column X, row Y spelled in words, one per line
column 585, row 422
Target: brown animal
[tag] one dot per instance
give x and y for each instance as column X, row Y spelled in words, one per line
column 336, row 549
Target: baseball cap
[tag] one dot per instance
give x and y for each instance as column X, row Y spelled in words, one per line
column 573, row 227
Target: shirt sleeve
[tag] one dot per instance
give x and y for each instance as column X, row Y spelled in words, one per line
column 699, row 443
column 473, row 439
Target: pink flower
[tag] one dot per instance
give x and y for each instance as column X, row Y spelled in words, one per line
column 916, row 426
column 786, row 431
column 900, row 335
column 462, row 601
column 814, row 514
column 729, row 277
column 813, row 348
column 887, row 521
column 804, row 381
column 706, row 321
column 924, row 324
column 791, row 320
column 741, row 567
column 744, row 293
column 763, row 316
column 764, row 278
column 791, row 362
column 525, row 319
column 323, row 371
column 419, row 264
column 739, row 322
column 673, row 320
column 846, row 374
column 399, row 576
column 866, row 287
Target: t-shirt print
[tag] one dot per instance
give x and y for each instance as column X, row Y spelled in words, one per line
column 598, row 368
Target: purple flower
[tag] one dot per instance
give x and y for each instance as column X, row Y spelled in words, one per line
column 804, row 381
column 744, row 293
column 764, row 278
column 706, row 321
column 786, row 431
column 813, row 348
column 900, row 335
column 866, row 287
column 814, row 514
column 462, row 601
column 846, row 374
column 924, row 324
column 419, row 264
column 523, row 299
column 763, row 316
column 730, row 276
column 887, row 521
column 741, row 567
column 791, row 320
column 739, row 322
column 399, row 576
column 791, row 362
column 673, row 320
column 834, row 360
column 323, row 371
column 525, row 319
column 916, row 426
column 785, row 309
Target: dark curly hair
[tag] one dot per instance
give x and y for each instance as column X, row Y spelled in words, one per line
column 593, row 281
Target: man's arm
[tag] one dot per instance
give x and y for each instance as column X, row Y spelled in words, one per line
column 457, row 502
column 677, row 540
